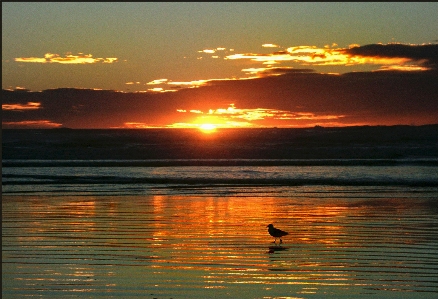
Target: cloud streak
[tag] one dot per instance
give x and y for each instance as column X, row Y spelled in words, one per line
column 272, row 91
column 424, row 56
column 31, row 124
column 236, row 117
column 291, row 98
column 389, row 57
column 22, row 107
column 69, row 58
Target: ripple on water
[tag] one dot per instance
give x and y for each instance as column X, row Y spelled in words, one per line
column 167, row 246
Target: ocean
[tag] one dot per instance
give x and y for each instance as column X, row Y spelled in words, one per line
column 176, row 213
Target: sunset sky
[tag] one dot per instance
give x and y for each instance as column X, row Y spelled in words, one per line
column 142, row 65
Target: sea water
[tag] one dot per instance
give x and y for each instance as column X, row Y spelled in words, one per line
column 196, row 228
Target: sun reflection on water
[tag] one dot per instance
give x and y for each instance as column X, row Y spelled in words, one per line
column 168, row 245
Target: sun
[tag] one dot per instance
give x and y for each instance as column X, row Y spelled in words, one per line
column 207, row 128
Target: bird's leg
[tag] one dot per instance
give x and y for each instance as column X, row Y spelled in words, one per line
column 275, row 241
column 281, row 241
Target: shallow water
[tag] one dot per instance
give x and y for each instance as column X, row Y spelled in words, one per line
column 352, row 242
column 180, row 214
column 58, row 178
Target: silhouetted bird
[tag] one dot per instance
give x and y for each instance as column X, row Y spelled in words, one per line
column 276, row 233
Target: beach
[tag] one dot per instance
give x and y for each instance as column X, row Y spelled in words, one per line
column 197, row 227
column 193, row 246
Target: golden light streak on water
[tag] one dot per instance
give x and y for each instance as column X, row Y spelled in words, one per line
column 218, row 246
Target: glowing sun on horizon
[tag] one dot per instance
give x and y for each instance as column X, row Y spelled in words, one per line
column 207, row 128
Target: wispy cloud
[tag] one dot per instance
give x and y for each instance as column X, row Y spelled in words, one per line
column 281, row 88
column 270, row 46
column 161, row 89
column 423, row 56
column 69, row 58
column 157, row 81
column 22, row 107
column 274, row 71
column 45, row 124
column 235, row 117
column 136, row 125
column 389, row 57
column 215, row 50
column 296, row 98
column 166, row 85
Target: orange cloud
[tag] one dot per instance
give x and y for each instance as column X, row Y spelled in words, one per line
column 81, row 58
column 160, row 89
column 157, row 81
column 208, row 51
column 405, row 68
column 201, row 123
column 391, row 54
column 379, row 55
column 21, row 107
column 179, row 84
column 31, row 124
column 234, row 117
column 303, row 55
column 274, row 71
column 194, row 83
column 270, row 46
column 298, row 98
column 136, row 125
column 212, row 51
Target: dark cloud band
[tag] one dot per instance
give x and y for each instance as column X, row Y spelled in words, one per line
column 426, row 54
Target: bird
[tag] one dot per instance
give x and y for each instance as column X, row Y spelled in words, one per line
column 276, row 233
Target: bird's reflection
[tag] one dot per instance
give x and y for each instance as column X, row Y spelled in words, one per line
column 273, row 249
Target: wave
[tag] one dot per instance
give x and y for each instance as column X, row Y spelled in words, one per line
column 23, row 179
column 219, row 162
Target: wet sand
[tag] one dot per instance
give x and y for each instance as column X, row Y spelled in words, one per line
column 166, row 246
